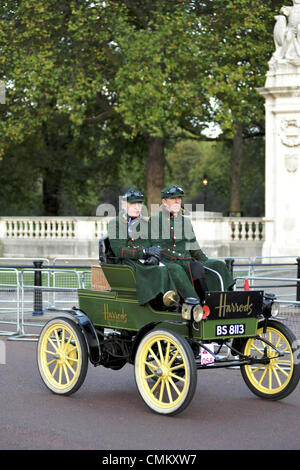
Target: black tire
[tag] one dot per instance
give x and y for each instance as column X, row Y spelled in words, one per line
column 278, row 378
column 62, row 356
column 163, row 391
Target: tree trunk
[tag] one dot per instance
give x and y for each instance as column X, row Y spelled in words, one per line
column 51, row 187
column 236, row 167
column 155, row 171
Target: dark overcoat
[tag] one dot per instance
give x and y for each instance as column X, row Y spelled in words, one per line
column 127, row 242
column 176, row 238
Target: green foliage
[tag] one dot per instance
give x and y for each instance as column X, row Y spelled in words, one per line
column 193, row 159
column 238, row 45
column 89, row 81
column 155, row 85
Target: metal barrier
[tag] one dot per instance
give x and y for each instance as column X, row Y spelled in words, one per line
column 38, row 300
column 231, row 263
column 9, row 261
column 262, row 285
column 10, row 293
column 253, row 267
column 78, row 262
column 64, row 281
column 289, row 309
column 289, row 313
column 10, row 300
column 29, row 295
column 86, row 279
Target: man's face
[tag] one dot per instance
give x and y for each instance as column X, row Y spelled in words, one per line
column 133, row 209
column 173, row 205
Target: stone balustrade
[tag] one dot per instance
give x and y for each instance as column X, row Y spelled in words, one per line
column 77, row 236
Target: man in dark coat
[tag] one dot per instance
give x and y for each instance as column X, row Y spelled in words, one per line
column 128, row 235
column 173, row 233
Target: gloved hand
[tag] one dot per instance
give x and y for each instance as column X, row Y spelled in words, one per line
column 152, row 260
column 152, row 251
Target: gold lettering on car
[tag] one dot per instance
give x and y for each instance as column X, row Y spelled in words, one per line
column 114, row 316
column 233, row 307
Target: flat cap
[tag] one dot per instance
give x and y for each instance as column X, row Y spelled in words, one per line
column 133, row 195
column 172, row 191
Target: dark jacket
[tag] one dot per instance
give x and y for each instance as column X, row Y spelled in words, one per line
column 127, row 241
column 177, row 239
column 175, row 236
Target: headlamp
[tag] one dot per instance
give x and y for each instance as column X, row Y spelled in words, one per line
column 193, row 310
column 198, row 313
column 275, row 309
column 186, row 311
column 267, row 307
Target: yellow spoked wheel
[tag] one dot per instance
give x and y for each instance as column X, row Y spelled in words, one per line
column 279, row 375
column 165, row 371
column 62, row 356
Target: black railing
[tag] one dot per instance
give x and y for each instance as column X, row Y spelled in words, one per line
column 231, row 264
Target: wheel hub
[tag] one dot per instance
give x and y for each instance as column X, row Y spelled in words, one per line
column 60, row 356
column 162, row 371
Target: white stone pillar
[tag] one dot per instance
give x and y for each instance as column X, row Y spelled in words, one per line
column 282, row 113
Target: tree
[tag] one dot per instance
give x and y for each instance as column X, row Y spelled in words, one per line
column 156, row 83
column 193, row 159
column 132, row 63
column 238, row 45
column 135, row 73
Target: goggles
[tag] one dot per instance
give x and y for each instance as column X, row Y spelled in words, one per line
column 133, row 195
column 173, row 191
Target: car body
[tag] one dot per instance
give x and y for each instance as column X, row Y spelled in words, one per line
column 168, row 345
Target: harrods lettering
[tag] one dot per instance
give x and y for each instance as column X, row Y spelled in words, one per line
column 233, row 307
column 114, row 316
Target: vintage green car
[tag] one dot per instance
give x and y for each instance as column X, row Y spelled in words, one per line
column 167, row 345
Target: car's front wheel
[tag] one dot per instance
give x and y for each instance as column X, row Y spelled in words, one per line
column 165, row 371
column 278, row 372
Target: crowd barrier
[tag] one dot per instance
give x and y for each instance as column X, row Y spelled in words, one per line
column 30, row 295
column 10, row 294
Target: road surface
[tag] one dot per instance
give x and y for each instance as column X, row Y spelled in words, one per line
column 108, row 414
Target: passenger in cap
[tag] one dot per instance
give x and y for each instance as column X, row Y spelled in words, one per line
column 174, row 234
column 128, row 233
column 129, row 241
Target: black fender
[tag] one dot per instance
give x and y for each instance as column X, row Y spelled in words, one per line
column 144, row 330
column 238, row 343
column 141, row 333
column 88, row 331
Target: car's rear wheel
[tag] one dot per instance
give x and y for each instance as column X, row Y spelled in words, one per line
column 62, row 356
column 165, row 371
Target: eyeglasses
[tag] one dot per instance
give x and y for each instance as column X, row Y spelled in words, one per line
column 174, row 190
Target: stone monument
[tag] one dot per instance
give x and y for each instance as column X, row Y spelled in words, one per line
column 282, row 108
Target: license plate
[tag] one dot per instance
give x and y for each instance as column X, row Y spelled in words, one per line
column 231, row 329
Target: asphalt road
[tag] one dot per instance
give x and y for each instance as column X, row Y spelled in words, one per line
column 108, row 414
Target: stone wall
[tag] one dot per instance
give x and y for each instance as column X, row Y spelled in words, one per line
column 77, row 237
